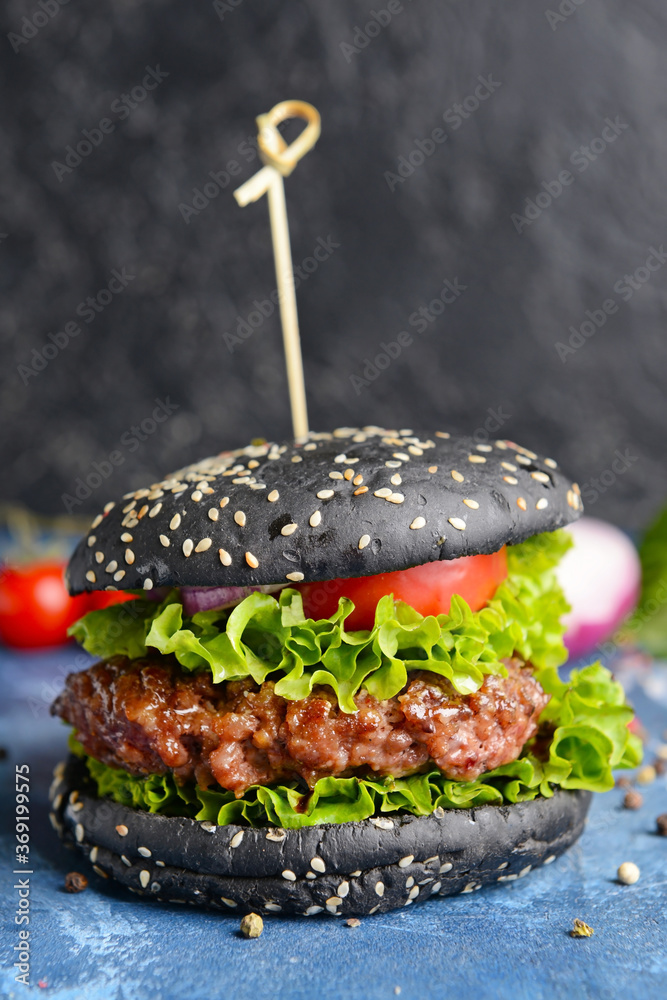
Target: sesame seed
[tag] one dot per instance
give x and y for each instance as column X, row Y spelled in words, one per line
column 165, row 541
column 484, row 447
column 456, row 476
column 335, row 475
column 541, row 477
column 393, row 465
column 520, row 502
column 339, row 458
column 225, row 557
column 240, row 518
column 251, row 560
column 90, row 576
column 119, row 575
column 143, row 511
column 175, row 522
column 122, row 830
column 310, row 447
column 348, row 474
column 384, row 492
column 414, row 892
column 433, row 469
column 144, row 852
column 288, row 529
column 403, row 457
column 476, row 459
column 358, row 480
column 297, row 458
column 458, row 523
column 296, row 577
column 273, row 496
column 126, row 537
column 111, row 567
column 253, row 464
column 98, row 520
column 236, row 839
column 332, row 902
column 343, row 889
column 224, row 502
column 396, row 479
column 325, row 494
column 203, row 545
column 93, row 855
column 188, row 546
column 362, row 489
column 552, row 465
column 289, row 875
column 522, row 460
column 379, row 888
column 511, row 480
column 99, row 557
column 79, row 832
column 541, row 504
column 407, row 860
column 442, row 434
column 91, row 540
column 414, row 450
column 144, row 878
column 196, row 496
column 214, row 513
column 148, row 584
column 154, row 511
column 317, row 865
column 418, row 522
column 363, row 541
column 315, row 519
column 129, row 507
column 241, row 479
column 129, row 556
column 471, row 503
column 508, row 466
column 395, row 498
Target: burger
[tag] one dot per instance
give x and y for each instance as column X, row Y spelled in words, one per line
column 333, row 685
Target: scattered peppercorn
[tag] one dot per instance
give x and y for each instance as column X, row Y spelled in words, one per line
column 353, row 922
column 75, row 882
column 661, row 823
column 3, row 753
column 633, row 800
column 660, row 765
column 581, row 929
column 252, row 925
column 628, row 873
column 646, row 775
column 623, row 783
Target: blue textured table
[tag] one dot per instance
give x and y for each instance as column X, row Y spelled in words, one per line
column 506, row 942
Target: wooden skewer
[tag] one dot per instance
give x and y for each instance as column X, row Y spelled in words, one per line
column 280, row 160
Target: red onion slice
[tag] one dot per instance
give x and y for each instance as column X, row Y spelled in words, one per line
column 217, row 598
column 601, row 577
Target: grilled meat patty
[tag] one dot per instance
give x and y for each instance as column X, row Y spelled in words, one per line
column 149, row 716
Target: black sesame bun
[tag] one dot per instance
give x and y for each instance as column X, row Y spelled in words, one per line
column 351, row 503
column 343, row 869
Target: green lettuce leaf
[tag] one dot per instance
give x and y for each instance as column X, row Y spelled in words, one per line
column 266, row 636
column 588, row 716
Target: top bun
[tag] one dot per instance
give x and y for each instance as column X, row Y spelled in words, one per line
column 351, row 503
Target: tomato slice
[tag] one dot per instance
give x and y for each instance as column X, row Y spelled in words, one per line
column 428, row 588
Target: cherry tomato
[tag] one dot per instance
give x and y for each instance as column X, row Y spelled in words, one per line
column 35, row 608
column 428, row 588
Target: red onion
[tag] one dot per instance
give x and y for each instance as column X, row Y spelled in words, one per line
column 601, row 578
column 216, row 598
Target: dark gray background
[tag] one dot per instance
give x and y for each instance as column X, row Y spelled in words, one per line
column 493, row 348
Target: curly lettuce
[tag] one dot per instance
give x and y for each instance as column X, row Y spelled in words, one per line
column 590, row 739
column 268, row 636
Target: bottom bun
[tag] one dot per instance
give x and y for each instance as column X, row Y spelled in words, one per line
column 343, row 869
